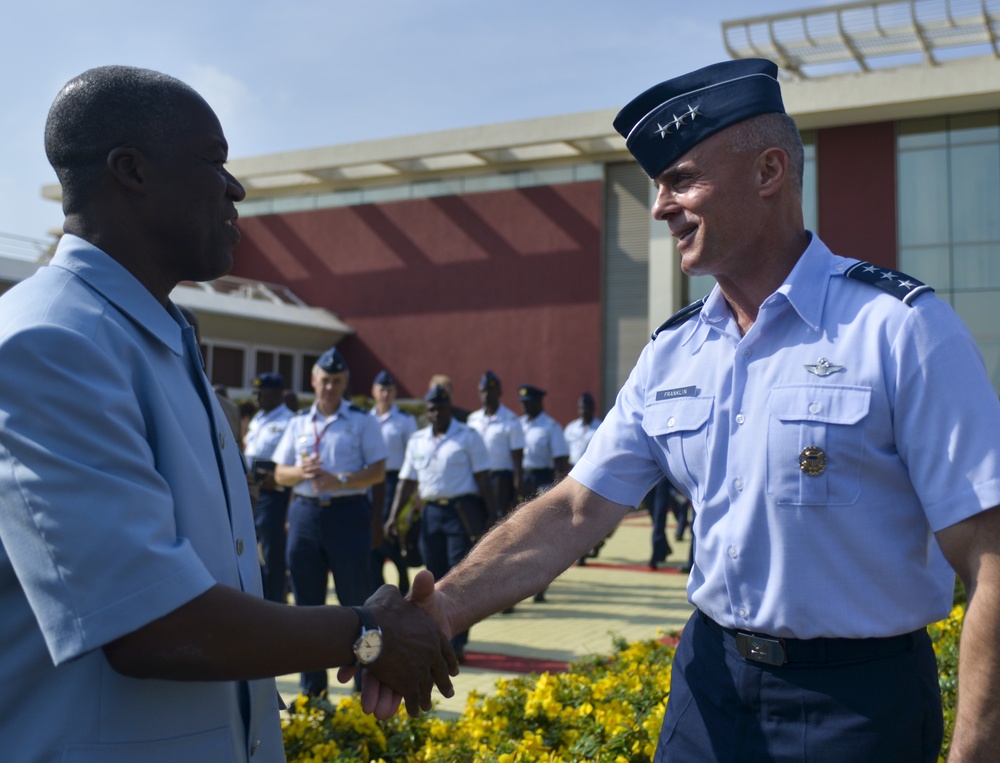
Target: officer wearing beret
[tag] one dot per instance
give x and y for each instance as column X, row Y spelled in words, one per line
column 449, row 464
column 330, row 455
column 500, row 429
column 262, row 437
column 835, row 429
column 397, row 427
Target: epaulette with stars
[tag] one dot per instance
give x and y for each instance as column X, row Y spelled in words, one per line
column 681, row 315
column 903, row 287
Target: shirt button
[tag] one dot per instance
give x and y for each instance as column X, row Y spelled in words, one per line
column 743, row 612
column 815, row 408
column 738, row 484
column 732, row 551
column 670, row 421
column 740, row 418
column 747, row 353
column 239, row 546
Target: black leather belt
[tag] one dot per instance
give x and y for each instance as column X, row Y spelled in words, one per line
column 446, row 502
column 323, row 502
column 502, row 473
column 769, row 650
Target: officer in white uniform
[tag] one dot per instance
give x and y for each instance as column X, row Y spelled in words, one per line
column 500, row 429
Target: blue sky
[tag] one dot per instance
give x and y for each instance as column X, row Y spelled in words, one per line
column 305, row 73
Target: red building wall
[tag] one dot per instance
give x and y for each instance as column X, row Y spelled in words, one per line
column 856, row 176
column 506, row 280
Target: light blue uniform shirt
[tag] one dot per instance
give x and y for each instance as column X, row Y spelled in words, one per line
column 578, row 436
column 543, row 442
column 123, row 498
column 265, row 430
column 501, row 432
column 397, row 428
column 908, row 424
column 347, row 441
column 444, row 466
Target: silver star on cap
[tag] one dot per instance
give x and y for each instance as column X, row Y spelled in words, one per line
column 693, row 111
column 823, row 367
column 663, row 129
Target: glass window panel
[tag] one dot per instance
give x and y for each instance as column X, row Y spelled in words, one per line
column 975, row 128
column 975, row 191
column 930, row 264
column 923, row 133
column 699, row 286
column 227, row 366
column 979, row 311
column 977, row 267
column 810, row 205
column 286, row 367
column 265, row 362
column 308, row 361
column 990, row 347
column 923, row 203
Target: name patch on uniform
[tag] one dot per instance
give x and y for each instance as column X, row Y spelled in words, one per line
column 667, row 394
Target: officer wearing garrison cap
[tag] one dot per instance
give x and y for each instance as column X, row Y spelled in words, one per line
column 500, row 429
column 834, row 427
column 330, row 454
column 263, row 435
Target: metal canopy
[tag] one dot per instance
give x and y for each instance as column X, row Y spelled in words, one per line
column 836, row 39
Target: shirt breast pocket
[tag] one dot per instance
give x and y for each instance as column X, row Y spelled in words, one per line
column 680, row 429
column 815, row 444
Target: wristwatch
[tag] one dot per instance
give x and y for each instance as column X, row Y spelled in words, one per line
column 368, row 647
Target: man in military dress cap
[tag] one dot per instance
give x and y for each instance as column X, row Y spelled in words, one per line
column 330, row 455
column 832, row 423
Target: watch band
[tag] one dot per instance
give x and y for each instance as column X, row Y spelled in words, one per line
column 367, row 621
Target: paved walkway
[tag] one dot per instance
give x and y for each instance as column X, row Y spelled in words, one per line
column 614, row 595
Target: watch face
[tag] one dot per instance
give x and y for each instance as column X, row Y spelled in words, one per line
column 368, row 647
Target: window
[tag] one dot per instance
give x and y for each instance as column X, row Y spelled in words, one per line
column 949, row 217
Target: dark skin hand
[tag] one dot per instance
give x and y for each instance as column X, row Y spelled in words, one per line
column 196, row 642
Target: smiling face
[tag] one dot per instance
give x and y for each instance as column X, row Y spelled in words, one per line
column 709, row 199
column 193, row 197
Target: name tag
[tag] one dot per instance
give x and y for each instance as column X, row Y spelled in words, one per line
column 667, row 394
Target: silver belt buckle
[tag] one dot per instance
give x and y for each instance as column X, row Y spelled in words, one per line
column 770, row 651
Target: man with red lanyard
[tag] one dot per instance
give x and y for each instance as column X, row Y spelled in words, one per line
column 330, row 454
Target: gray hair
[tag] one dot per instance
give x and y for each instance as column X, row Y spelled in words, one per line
column 772, row 131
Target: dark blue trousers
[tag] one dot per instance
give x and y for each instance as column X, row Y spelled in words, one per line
column 324, row 539
column 272, row 513
column 728, row 709
column 444, row 543
column 389, row 549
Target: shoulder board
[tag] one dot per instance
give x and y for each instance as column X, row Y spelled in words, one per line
column 356, row 408
column 681, row 315
column 901, row 286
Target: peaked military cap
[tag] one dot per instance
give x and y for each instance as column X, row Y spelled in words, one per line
column 527, row 392
column 437, row 394
column 269, row 381
column 489, row 380
column 332, row 361
column 385, row 379
column 671, row 118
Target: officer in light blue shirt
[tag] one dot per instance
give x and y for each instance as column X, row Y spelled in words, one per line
column 330, row 455
column 132, row 623
column 501, row 430
column 834, row 427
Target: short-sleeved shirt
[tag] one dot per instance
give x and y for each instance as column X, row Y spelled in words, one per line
column 124, row 496
column 543, row 441
column 444, row 466
column 265, row 431
column 578, row 436
column 346, row 441
column 501, row 432
column 891, row 399
column 397, row 427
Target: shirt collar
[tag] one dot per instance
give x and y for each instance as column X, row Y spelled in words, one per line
column 314, row 412
column 109, row 278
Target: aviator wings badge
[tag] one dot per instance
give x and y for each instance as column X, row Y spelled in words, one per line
column 823, row 367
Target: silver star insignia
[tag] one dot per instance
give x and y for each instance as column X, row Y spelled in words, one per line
column 678, row 121
column 823, row 367
column 870, row 269
column 693, row 111
column 890, row 276
column 906, row 284
column 663, row 129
